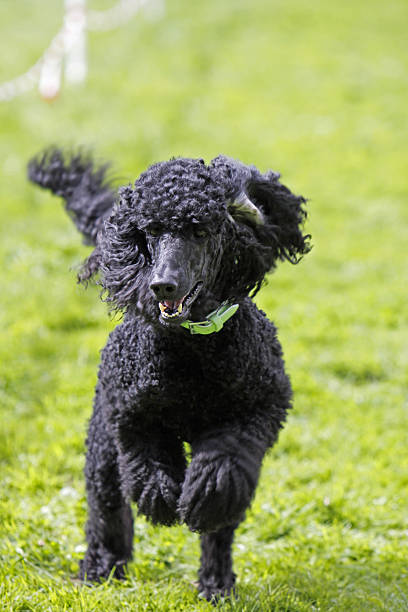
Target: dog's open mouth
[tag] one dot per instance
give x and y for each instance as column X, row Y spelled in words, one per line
column 176, row 309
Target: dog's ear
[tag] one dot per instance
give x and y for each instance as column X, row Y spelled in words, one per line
column 279, row 216
column 266, row 222
column 123, row 252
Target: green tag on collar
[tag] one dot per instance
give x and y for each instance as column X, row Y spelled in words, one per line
column 214, row 322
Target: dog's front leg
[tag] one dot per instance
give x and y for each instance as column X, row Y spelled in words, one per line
column 152, row 466
column 219, row 485
column 216, row 578
column 222, row 476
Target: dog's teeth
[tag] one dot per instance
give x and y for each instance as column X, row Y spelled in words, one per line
column 170, row 315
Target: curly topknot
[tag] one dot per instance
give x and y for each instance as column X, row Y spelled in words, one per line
column 179, row 191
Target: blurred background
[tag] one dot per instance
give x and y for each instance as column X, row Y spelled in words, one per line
column 315, row 90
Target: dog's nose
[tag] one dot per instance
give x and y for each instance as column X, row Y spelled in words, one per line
column 163, row 289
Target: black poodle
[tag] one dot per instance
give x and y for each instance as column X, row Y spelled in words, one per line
column 193, row 360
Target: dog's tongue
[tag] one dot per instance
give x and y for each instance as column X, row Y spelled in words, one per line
column 172, row 305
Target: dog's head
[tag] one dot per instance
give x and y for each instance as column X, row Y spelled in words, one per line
column 188, row 236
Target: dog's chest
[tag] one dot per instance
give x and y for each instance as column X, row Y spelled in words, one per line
column 207, row 381
column 190, row 385
column 179, row 384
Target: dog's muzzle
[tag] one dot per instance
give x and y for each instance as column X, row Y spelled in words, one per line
column 178, row 309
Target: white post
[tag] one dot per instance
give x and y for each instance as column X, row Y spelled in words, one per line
column 75, row 40
column 49, row 84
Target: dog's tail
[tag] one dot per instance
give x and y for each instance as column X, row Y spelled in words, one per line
column 81, row 182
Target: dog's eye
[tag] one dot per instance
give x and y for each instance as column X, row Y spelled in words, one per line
column 199, row 232
column 153, row 231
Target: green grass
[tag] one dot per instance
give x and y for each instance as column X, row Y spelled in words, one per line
column 317, row 90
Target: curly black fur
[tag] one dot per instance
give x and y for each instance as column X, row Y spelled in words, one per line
column 83, row 185
column 177, row 239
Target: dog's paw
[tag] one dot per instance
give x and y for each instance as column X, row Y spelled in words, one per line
column 159, row 498
column 99, row 564
column 216, row 492
column 216, row 590
column 154, row 486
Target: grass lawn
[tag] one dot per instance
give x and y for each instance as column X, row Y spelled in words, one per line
column 319, row 91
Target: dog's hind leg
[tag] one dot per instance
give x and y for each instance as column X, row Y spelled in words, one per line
column 109, row 529
column 216, row 578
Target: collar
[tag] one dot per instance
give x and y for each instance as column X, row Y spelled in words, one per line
column 214, row 321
